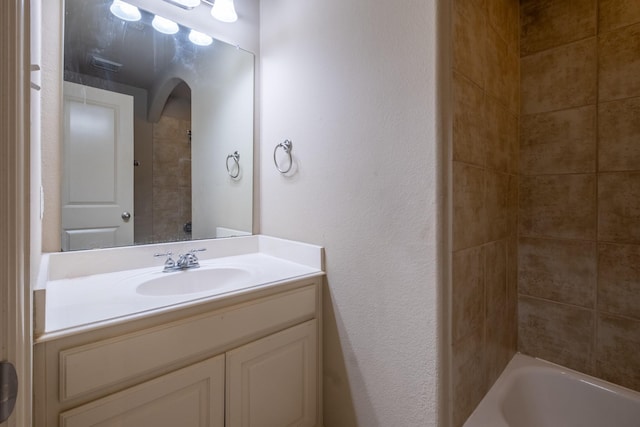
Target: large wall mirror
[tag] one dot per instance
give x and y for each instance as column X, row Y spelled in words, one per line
column 158, row 132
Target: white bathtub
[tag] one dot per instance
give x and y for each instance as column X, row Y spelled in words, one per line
column 534, row 393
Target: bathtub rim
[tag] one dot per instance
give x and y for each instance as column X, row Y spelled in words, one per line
column 488, row 411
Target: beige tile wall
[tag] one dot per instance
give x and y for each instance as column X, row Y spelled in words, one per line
column 579, row 204
column 171, row 179
column 486, row 106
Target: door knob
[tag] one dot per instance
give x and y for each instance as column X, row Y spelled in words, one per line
column 126, row 216
column 9, row 387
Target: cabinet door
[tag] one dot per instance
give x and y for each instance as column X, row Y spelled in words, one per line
column 272, row 382
column 190, row 397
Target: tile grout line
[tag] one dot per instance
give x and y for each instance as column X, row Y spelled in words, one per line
column 565, row 44
column 576, row 106
column 597, row 165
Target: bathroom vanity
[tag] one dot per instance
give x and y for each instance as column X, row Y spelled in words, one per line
column 246, row 353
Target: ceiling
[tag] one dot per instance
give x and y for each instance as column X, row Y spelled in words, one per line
column 99, row 44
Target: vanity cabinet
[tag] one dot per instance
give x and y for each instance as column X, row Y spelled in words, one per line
column 251, row 361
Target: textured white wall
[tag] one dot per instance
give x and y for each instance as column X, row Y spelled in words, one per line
column 52, row 13
column 353, row 85
column 35, row 169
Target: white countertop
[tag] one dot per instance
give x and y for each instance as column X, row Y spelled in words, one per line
column 69, row 298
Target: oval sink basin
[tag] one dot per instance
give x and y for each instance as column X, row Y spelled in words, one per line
column 193, row 281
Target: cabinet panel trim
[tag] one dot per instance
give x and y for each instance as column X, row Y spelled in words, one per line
column 250, row 396
column 82, row 369
column 205, row 380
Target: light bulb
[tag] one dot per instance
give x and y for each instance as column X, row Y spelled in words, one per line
column 223, row 10
column 199, row 38
column 125, row 11
column 164, row 25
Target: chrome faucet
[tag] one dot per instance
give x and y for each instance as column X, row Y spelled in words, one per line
column 185, row 261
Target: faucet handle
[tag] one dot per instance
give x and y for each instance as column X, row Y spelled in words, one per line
column 167, row 254
column 169, row 263
column 192, row 252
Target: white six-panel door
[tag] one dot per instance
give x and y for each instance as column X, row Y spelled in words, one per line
column 97, row 182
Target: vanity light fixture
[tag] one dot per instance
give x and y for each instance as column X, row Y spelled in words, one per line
column 200, row 39
column 185, row 4
column 125, row 11
column 164, row 25
column 224, row 11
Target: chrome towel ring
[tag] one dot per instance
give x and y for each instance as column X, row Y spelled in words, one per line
column 236, row 159
column 287, row 145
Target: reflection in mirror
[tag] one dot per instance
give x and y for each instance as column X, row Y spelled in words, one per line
column 149, row 121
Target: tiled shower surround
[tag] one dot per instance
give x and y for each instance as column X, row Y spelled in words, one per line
column 579, row 207
column 485, row 84
column 171, row 179
column 545, row 190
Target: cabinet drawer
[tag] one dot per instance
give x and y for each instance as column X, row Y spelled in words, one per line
column 96, row 366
